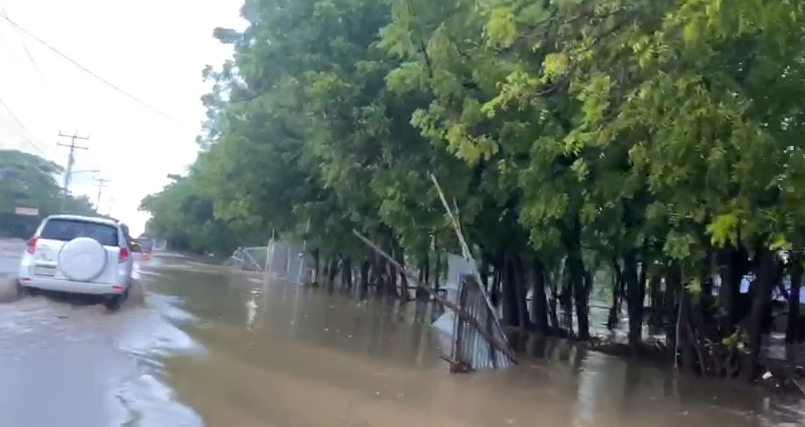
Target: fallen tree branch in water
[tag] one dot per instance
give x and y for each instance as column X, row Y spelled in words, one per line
column 465, row 248
column 460, row 312
column 457, row 366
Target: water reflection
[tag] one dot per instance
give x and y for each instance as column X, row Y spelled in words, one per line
column 284, row 355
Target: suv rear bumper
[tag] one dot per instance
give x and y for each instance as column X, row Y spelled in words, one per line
column 61, row 285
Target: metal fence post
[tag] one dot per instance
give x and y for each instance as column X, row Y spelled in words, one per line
column 288, row 262
column 269, row 249
column 302, row 255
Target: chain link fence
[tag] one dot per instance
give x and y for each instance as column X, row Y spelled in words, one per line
column 279, row 259
column 288, row 262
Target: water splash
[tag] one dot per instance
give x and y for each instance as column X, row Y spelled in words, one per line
column 148, row 402
column 145, row 400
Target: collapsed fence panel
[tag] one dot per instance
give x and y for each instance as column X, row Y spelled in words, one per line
column 280, row 259
column 469, row 330
column 469, row 327
column 466, row 343
column 278, row 256
column 248, row 259
column 462, row 342
column 457, row 267
column 286, row 261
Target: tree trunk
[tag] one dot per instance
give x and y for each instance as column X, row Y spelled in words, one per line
column 346, row 274
column 437, row 271
column 673, row 301
column 426, row 269
column 511, row 312
column 761, row 291
column 635, row 292
column 657, row 296
column 572, row 241
column 483, row 271
column 498, row 276
column 424, row 279
column 553, row 316
column 618, row 291
column 394, row 274
column 734, row 265
column 316, row 265
column 539, row 302
column 793, row 332
column 363, row 289
column 521, row 292
column 566, row 297
column 383, row 278
column 332, row 273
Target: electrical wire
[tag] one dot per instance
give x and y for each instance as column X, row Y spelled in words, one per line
column 4, row 14
column 87, row 70
column 22, row 125
column 33, row 141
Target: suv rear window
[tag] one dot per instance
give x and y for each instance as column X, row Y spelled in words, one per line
column 68, row 229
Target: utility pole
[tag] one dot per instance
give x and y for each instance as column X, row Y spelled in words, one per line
column 101, row 185
column 110, row 205
column 70, row 161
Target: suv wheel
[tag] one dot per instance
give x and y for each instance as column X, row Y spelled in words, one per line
column 22, row 291
column 114, row 302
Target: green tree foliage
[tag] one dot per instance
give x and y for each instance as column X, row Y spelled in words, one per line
column 185, row 218
column 659, row 143
column 29, row 181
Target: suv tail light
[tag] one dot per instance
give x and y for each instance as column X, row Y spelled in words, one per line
column 31, row 245
column 123, row 255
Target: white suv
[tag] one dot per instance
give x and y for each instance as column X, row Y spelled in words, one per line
column 79, row 254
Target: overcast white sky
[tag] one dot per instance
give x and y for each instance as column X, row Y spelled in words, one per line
column 152, row 49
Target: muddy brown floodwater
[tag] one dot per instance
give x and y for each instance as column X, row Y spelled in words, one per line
column 281, row 355
column 210, row 348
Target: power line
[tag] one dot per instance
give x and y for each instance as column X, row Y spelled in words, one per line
column 88, row 71
column 33, row 141
column 21, row 39
column 4, row 14
column 22, row 125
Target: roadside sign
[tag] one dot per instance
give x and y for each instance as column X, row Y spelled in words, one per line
column 26, row 211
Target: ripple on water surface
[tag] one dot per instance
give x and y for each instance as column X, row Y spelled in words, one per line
column 292, row 356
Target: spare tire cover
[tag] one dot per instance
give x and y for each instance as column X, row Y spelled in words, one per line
column 82, row 259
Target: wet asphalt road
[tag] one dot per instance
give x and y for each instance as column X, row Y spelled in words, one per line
column 9, row 257
column 67, row 362
column 212, row 348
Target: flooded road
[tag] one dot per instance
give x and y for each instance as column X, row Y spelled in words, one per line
column 216, row 349
column 65, row 362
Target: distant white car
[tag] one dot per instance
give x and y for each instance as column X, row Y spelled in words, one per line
column 79, row 254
